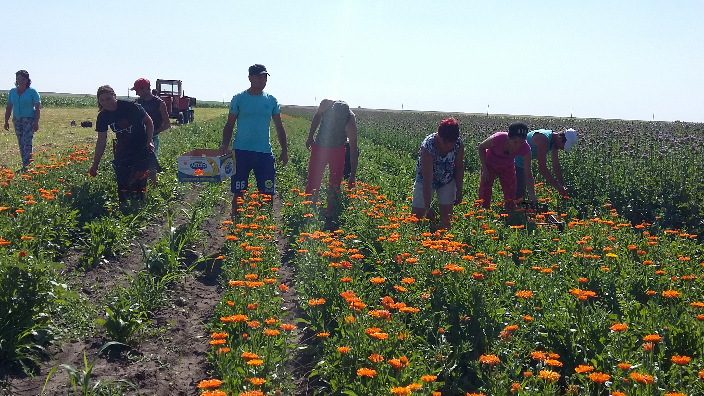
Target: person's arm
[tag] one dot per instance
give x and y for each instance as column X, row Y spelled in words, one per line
column 426, row 170
column 281, row 135
column 351, row 129
column 99, row 150
column 459, row 174
column 227, row 132
column 166, row 123
column 557, row 169
column 8, row 113
column 150, row 130
column 324, row 105
column 481, row 149
column 37, row 114
column 530, row 182
column 541, row 144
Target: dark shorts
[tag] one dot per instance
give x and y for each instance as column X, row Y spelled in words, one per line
column 263, row 166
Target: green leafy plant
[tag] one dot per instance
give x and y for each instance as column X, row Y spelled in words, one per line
column 82, row 382
column 124, row 318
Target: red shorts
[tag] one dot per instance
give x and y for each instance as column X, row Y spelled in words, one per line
column 320, row 157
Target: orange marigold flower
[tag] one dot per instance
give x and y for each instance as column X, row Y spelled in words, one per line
column 524, row 294
column 211, row 383
column 527, row 318
column 408, row 281
column 401, row 390
column 287, row 326
column 618, row 327
column 652, row 338
column 343, row 349
column 671, row 294
column 701, row 374
column 323, row 335
column 642, row 378
column 553, row 363
column 249, row 355
column 218, row 342
column 283, row 287
column 489, row 359
column 316, row 301
column 538, row 355
column 582, row 368
column 376, row 358
column 256, row 381
column 253, row 324
column 255, row 362
column 219, row 393
column 428, row 378
column 222, row 350
column 680, row 360
column 271, row 332
column 549, row 375
column 377, row 280
column 599, row 378
column 379, row 336
column 366, row 372
column 271, row 321
column 414, row 386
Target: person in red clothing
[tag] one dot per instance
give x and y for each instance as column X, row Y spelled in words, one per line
column 496, row 155
column 327, row 148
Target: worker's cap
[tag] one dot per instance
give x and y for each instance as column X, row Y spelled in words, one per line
column 257, row 69
column 140, row 83
column 571, row 136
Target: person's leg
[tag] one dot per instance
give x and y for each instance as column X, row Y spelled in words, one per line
column 264, row 172
column 316, row 168
column 156, row 146
column 507, row 178
column 336, row 161
column 446, row 199
column 520, row 184
column 241, row 177
column 152, row 174
column 418, row 203
column 485, row 188
column 25, row 135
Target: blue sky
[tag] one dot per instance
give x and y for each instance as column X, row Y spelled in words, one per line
column 603, row 59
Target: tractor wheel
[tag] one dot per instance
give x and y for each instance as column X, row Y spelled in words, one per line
column 179, row 118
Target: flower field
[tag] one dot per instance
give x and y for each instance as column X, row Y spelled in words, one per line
column 609, row 303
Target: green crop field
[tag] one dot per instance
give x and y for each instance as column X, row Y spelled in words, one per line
column 170, row 295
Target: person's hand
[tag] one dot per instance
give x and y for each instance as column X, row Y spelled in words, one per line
column 151, row 145
column 35, row 126
column 309, row 143
column 458, row 198
column 563, row 191
column 283, row 158
column 351, row 182
column 223, row 149
column 93, row 171
column 7, row 126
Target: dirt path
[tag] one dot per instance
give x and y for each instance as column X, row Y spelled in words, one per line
column 170, row 358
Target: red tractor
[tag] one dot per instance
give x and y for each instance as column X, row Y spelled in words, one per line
column 178, row 106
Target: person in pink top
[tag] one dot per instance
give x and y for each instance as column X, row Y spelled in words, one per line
column 496, row 155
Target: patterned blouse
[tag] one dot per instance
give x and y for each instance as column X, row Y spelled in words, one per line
column 443, row 167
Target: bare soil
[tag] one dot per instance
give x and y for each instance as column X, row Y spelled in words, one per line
column 169, row 358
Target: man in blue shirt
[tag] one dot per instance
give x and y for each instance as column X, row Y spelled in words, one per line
column 253, row 110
